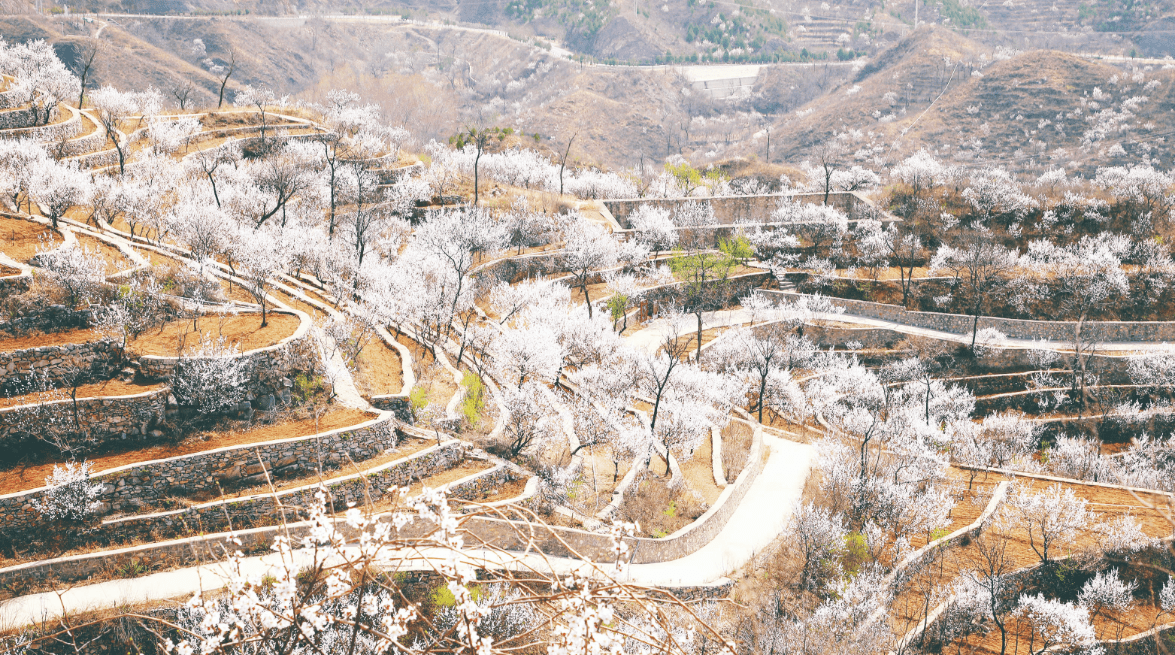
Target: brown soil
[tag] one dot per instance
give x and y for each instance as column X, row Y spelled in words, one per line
column 31, row 477
column 736, row 445
column 20, row 239
column 115, row 261
column 380, row 371
column 592, row 498
column 465, row 469
column 511, row 489
column 434, row 377
column 244, row 331
column 93, row 390
column 51, row 339
column 1107, row 503
column 699, row 471
column 1116, row 625
column 88, row 128
column 233, row 291
column 691, row 340
column 141, row 230
column 314, row 312
column 8, row 271
column 419, row 353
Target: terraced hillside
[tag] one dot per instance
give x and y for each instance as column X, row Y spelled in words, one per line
column 274, row 362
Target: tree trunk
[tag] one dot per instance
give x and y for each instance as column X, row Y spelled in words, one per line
column 586, row 299
column 699, row 356
column 476, row 159
column 762, row 392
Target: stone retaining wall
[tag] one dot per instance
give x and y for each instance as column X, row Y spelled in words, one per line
column 1058, row 331
column 103, row 417
column 265, row 509
column 50, row 319
column 394, row 175
column 19, row 118
column 517, row 269
column 269, row 366
column 823, row 335
column 735, row 209
column 125, row 487
column 498, row 532
column 59, row 363
column 45, row 133
column 12, row 98
column 99, row 159
column 482, row 484
column 655, row 299
column 398, row 404
column 15, row 284
column 81, row 145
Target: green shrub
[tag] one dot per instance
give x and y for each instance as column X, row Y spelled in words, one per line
column 306, row 386
column 131, row 569
column 738, row 248
column 442, row 597
column 474, row 400
column 617, row 304
column 855, row 553
column 417, row 400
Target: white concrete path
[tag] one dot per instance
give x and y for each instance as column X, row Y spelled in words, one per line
column 1009, row 343
column 653, row 334
column 650, row 337
column 755, row 523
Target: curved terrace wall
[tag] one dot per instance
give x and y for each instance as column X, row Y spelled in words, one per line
column 499, row 533
column 100, row 417
column 270, row 365
column 1063, row 331
column 156, row 479
column 266, row 509
column 59, row 363
column 12, row 98
column 733, row 209
column 50, row 132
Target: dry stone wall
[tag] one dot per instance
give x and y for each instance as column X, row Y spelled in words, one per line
column 15, row 284
column 97, row 159
column 12, row 98
column 270, row 366
column 501, row 533
column 734, row 209
column 126, row 487
column 101, row 418
column 44, row 133
column 1062, row 331
column 18, row 118
column 654, row 299
column 395, row 175
column 265, row 509
column 81, row 145
column 60, row 364
column 516, row 269
column 53, row 318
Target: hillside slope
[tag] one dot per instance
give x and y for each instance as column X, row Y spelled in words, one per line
column 957, row 98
